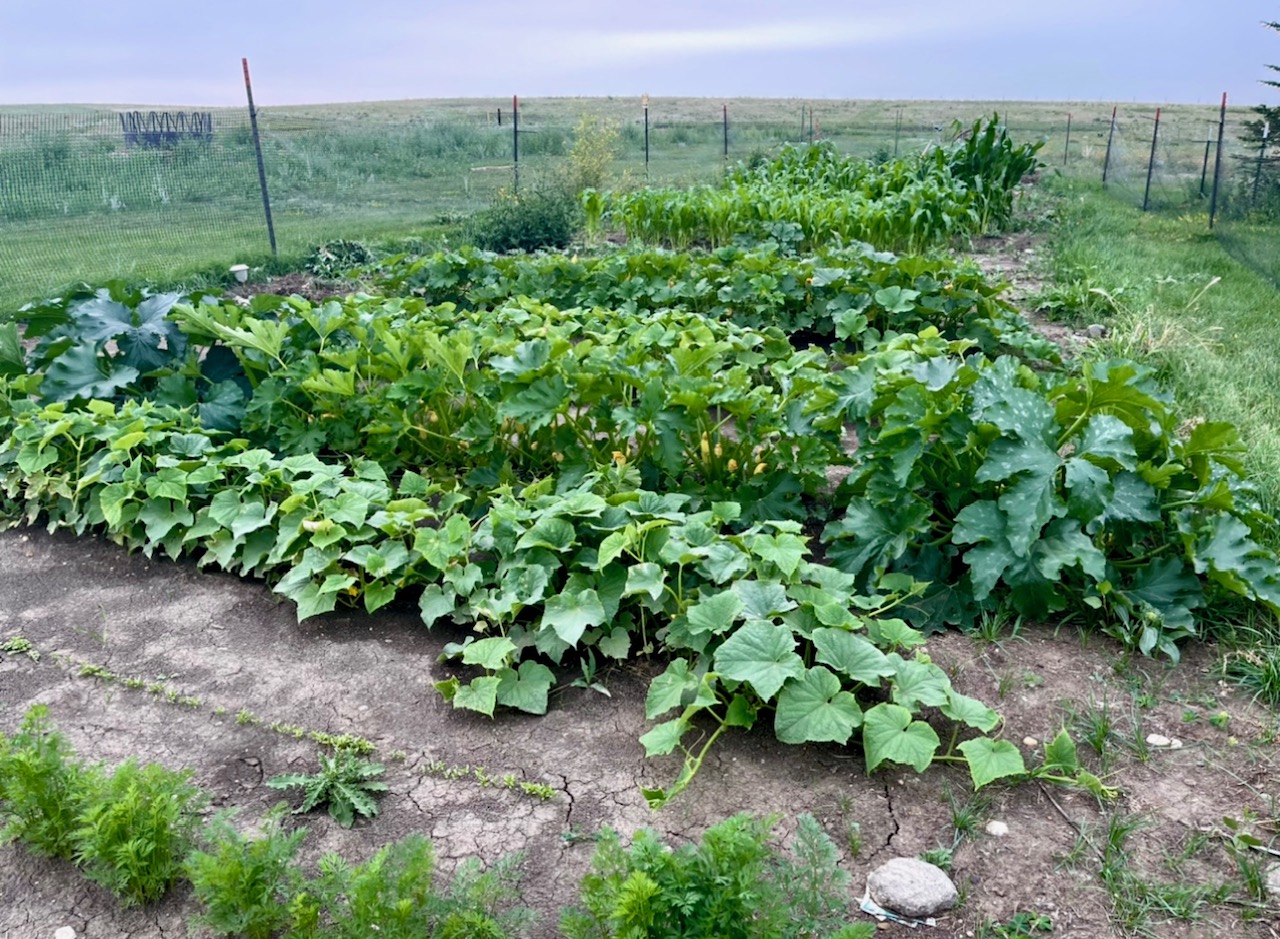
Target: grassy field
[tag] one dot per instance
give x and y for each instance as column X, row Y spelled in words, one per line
column 77, row 205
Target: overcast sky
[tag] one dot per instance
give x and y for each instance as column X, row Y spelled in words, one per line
column 188, row 52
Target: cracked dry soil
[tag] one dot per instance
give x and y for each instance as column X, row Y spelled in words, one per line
column 233, row 645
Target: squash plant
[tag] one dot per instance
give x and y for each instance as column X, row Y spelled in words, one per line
column 750, row 623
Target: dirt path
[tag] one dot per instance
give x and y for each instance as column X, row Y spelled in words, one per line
column 232, row 646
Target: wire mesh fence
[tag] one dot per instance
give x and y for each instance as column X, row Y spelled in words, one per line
column 90, row 194
column 1176, row 166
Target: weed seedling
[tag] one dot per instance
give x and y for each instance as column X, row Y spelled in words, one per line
column 345, row 783
column 20, row 645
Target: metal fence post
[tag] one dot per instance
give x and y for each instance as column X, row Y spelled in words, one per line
column 257, row 146
column 1262, row 158
column 515, row 141
column 726, row 131
column 645, row 104
column 1204, row 168
column 1217, row 162
column 1111, row 135
column 1151, row 162
column 897, row 133
column 1066, row 150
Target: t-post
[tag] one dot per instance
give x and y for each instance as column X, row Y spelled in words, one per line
column 515, row 141
column 1111, row 136
column 1217, row 162
column 257, row 147
column 1151, row 162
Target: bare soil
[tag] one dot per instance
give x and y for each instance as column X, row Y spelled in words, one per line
column 234, row 646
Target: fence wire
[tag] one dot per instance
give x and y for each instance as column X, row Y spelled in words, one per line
column 1181, row 172
column 90, row 194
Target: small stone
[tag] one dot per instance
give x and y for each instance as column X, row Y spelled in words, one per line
column 1158, row 740
column 1273, row 880
column 1030, row 742
column 1175, row 744
column 997, row 829
column 1095, row 331
column 911, row 887
column 65, row 932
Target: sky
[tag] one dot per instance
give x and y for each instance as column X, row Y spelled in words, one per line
column 179, row 52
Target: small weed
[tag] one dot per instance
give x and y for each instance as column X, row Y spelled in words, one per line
column 246, row 718
column 20, row 645
column 540, row 790
column 398, row 756
column 1257, row 670
column 345, row 783
column 100, row 672
column 1018, row 926
column 993, row 626
column 938, row 857
column 1095, row 725
column 966, row 817
column 1220, row 720
column 348, row 742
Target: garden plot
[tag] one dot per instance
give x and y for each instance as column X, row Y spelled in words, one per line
column 561, row 549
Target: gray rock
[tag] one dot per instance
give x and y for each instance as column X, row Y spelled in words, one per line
column 1096, row 331
column 1273, row 880
column 911, row 887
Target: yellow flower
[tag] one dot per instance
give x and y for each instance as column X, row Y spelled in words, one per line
column 719, row 451
column 620, row 458
column 733, row 465
column 706, row 449
column 760, row 468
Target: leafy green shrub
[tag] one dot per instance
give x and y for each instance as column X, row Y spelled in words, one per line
column 245, row 884
column 119, row 342
column 530, row 221
column 730, row 885
column 42, row 786
column 345, row 784
column 136, row 828
column 336, row 258
column 1079, row 491
column 398, row 894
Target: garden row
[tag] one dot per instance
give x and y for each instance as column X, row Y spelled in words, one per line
column 137, row 830
column 643, row 467
column 813, row 197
